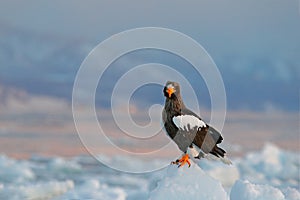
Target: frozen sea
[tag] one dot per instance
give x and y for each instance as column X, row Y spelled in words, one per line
column 270, row 173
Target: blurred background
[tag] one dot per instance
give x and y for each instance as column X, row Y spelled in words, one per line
column 255, row 45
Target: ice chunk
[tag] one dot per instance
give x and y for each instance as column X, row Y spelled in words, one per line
column 271, row 166
column 226, row 174
column 248, row 191
column 93, row 189
column 48, row 190
column 291, row 194
column 37, row 191
column 64, row 165
column 188, row 183
column 14, row 171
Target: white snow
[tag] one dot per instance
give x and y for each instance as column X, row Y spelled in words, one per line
column 272, row 166
column 47, row 190
column 271, row 173
column 11, row 170
column 247, row 191
column 186, row 122
column 226, row 174
column 36, row 191
column 63, row 165
column 291, row 193
column 93, row 189
column 188, row 183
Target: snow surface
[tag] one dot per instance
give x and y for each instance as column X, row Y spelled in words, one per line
column 271, row 173
column 248, row 191
column 271, row 166
column 188, row 183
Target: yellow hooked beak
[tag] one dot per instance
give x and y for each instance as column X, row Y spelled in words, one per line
column 170, row 91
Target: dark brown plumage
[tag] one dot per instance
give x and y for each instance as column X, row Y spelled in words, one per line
column 186, row 128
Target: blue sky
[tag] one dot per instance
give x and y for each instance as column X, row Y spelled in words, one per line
column 255, row 45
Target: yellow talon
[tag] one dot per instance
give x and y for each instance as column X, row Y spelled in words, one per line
column 182, row 161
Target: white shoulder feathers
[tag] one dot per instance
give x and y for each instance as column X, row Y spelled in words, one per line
column 188, row 121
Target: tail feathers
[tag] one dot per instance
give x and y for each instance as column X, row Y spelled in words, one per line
column 226, row 160
column 218, row 152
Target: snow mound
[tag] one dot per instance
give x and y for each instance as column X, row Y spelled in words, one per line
column 291, row 193
column 226, row 174
column 271, row 173
column 14, row 171
column 248, row 191
column 47, row 190
column 93, row 189
column 37, row 191
column 271, row 166
column 63, row 166
column 188, row 183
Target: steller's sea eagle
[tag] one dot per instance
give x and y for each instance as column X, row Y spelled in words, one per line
column 192, row 135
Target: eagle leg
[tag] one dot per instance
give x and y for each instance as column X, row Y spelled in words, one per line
column 182, row 161
column 200, row 155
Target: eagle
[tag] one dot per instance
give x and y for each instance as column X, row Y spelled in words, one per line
column 192, row 135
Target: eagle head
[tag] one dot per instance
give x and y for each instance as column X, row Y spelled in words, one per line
column 171, row 89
